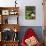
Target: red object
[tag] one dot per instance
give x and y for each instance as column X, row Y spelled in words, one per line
column 29, row 33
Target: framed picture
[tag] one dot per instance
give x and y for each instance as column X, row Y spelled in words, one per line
column 30, row 12
column 5, row 12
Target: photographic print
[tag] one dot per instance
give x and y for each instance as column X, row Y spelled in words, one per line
column 30, row 12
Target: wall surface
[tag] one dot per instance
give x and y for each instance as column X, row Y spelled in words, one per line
column 39, row 12
column 22, row 3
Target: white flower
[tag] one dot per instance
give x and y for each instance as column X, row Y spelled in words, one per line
column 32, row 15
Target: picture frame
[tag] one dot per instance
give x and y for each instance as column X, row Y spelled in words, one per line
column 5, row 12
column 30, row 12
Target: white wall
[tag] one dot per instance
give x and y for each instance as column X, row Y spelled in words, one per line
column 22, row 3
column 39, row 12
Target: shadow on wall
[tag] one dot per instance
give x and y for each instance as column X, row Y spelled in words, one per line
column 37, row 29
